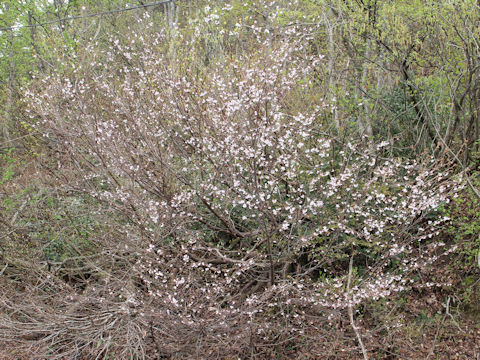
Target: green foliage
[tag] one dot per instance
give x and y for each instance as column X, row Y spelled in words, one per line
column 465, row 227
column 8, row 164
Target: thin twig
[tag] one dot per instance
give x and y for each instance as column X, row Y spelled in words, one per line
column 350, row 310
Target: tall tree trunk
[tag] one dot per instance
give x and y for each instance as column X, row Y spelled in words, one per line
column 7, row 120
column 367, row 122
column 33, row 41
column 331, row 65
column 172, row 14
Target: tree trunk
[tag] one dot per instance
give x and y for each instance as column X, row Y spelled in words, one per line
column 331, row 66
column 366, row 123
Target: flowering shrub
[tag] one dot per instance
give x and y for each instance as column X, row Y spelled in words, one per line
column 245, row 211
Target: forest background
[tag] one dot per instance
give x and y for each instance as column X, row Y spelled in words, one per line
column 239, row 179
